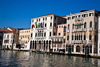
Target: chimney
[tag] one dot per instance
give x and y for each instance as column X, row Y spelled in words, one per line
column 70, row 13
column 3, row 27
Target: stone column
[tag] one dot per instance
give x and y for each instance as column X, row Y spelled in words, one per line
column 92, row 49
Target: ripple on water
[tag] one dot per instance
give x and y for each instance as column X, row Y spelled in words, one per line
column 26, row 59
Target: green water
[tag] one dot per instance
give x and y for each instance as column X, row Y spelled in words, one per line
column 26, row 59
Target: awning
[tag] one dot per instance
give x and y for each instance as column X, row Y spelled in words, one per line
column 78, row 24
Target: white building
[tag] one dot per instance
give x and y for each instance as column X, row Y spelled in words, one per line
column 41, row 36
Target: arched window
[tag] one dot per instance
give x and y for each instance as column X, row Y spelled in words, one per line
column 72, row 37
column 73, row 26
column 84, row 37
column 90, row 37
column 77, row 48
column 68, row 37
column 90, row 24
column 79, row 37
column 85, row 25
column 68, row 26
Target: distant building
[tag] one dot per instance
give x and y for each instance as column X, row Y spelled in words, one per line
column 24, row 35
column 10, row 37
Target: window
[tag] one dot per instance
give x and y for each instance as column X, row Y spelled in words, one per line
column 68, row 26
column 44, row 34
column 85, row 25
column 73, row 26
column 46, row 18
column 39, row 19
column 78, row 15
column 35, row 34
column 72, row 37
column 31, row 35
column 51, row 24
column 50, row 33
column 64, row 34
column 84, row 37
column 90, row 37
column 64, row 40
column 43, row 19
column 91, row 24
column 14, row 36
column 54, row 33
column 7, row 36
column 91, row 49
column 77, row 48
column 90, row 14
column 54, row 24
column 45, row 24
column 55, row 18
column 85, row 15
column 73, row 17
column 64, row 29
column 68, row 37
column 69, row 18
column 72, row 48
column 51, row 17
column 59, row 34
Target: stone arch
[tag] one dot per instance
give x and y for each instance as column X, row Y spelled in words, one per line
column 77, row 48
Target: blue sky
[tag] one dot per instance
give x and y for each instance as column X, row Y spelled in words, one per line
column 18, row 13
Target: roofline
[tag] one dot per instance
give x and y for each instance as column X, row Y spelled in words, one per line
column 44, row 15
column 82, row 12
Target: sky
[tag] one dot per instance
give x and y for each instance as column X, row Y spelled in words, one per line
column 18, row 13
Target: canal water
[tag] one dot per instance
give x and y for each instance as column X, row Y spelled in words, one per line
column 27, row 59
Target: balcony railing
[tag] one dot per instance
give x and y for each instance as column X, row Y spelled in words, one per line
column 84, row 29
column 68, row 31
column 90, row 41
column 90, row 29
column 40, row 37
column 73, row 41
column 78, row 41
column 79, row 30
column 84, row 41
column 67, row 41
column 56, row 37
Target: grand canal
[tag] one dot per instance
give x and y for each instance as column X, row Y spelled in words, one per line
column 27, row 59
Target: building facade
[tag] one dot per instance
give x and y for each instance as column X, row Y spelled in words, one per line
column 58, row 41
column 81, row 34
column 46, row 28
column 24, row 35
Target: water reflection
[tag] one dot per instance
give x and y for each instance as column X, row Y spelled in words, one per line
column 26, row 59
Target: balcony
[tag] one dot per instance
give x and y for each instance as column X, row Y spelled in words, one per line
column 84, row 29
column 84, row 41
column 90, row 41
column 90, row 29
column 78, row 30
column 73, row 30
column 68, row 31
column 40, row 37
column 72, row 41
column 56, row 37
column 67, row 41
column 78, row 41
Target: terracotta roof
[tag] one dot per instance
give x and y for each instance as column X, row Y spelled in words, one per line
column 13, row 29
column 5, row 30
